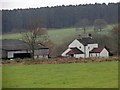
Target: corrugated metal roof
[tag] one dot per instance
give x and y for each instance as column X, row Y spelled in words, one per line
column 14, row 44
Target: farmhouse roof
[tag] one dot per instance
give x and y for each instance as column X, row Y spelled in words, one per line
column 14, row 44
column 86, row 40
column 96, row 50
column 75, row 51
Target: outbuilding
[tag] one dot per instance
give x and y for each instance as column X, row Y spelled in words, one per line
column 11, row 49
column 99, row 52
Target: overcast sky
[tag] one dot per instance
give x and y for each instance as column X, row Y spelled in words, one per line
column 11, row 4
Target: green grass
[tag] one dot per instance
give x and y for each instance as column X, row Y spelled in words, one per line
column 57, row 36
column 83, row 75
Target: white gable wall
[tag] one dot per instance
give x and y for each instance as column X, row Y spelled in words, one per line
column 77, row 44
column 104, row 53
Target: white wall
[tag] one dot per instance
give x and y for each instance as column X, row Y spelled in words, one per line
column 94, row 54
column 66, row 51
column 104, row 53
column 89, row 47
column 85, row 49
column 79, row 55
column 10, row 54
column 77, row 44
column 42, row 52
column 40, row 56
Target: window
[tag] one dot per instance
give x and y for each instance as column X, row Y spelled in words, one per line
column 96, row 54
column 88, row 47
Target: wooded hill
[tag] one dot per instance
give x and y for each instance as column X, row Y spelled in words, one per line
column 57, row 16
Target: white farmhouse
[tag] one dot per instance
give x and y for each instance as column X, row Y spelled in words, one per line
column 84, row 48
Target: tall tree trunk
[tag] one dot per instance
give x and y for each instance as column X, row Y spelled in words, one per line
column 84, row 30
column 33, row 52
column 33, row 55
column 100, row 29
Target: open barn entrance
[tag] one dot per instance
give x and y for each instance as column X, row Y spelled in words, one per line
column 22, row 55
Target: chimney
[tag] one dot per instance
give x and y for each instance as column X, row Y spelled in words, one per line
column 90, row 35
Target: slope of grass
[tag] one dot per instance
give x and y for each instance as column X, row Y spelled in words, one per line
column 57, row 36
column 83, row 75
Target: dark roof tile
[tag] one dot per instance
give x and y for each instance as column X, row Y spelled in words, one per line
column 10, row 44
column 87, row 40
column 96, row 50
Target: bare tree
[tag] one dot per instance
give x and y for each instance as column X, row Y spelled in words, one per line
column 99, row 24
column 65, row 42
column 84, row 23
column 33, row 37
column 116, row 37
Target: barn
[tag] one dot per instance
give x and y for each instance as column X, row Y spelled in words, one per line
column 11, row 49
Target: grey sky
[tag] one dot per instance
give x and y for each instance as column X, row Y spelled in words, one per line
column 11, row 4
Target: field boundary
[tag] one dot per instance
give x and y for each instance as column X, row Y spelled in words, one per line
column 57, row 61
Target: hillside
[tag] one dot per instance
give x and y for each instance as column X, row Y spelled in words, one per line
column 57, row 16
column 58, row 36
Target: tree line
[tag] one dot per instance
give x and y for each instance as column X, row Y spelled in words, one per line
column 58, row 16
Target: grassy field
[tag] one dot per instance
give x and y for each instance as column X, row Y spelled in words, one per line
column 57, row 36
column 81, row 75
